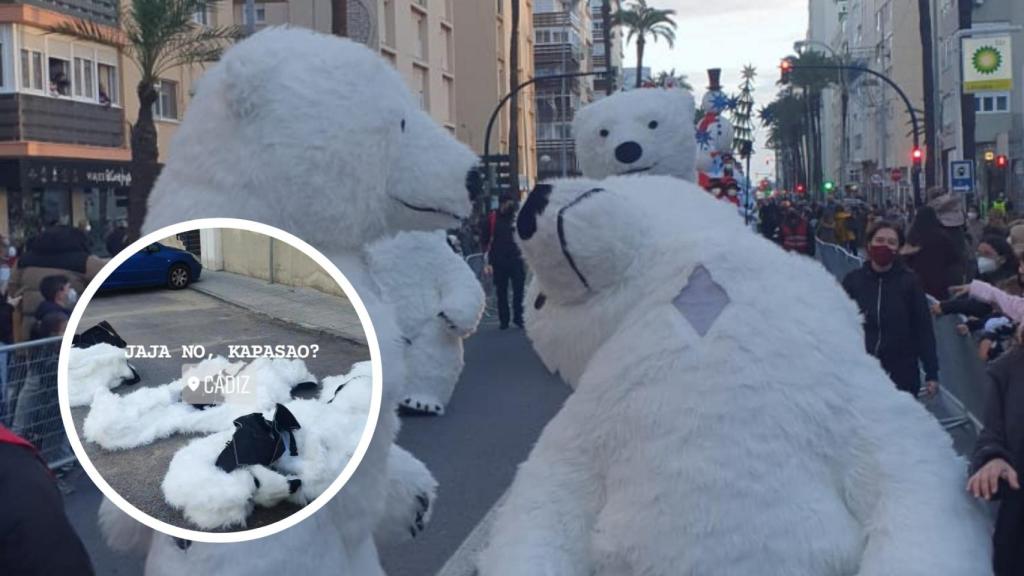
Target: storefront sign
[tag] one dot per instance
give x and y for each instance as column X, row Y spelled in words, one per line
column 38, row 173
column 987, row 64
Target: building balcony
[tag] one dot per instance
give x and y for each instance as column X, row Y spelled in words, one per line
column 556, row 20
column 99, row 11
column 25, row 117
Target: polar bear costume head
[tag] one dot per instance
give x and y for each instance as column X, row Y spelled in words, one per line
column 316, row 135
column 647, row 131
column 600, row 250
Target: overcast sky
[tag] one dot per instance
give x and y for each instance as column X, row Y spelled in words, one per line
column 729, row 34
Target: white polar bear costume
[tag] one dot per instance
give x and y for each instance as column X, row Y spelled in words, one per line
column 647, row 131
column 438, row 302
column 727, row 420
column 318, row 136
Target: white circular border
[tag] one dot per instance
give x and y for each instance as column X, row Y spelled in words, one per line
column 347, row 471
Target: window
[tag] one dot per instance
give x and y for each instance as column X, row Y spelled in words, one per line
column 992, row 103
column 420, row 47
column 446, row 55
column 449, row 92
column 389, row 23
column 261, row 13
column 166, row 105
column 31, row 70
column 109, row 90
column 84, row 85
column 60, row 77
column 1, row 64
column 422, row 84
column 201, row 17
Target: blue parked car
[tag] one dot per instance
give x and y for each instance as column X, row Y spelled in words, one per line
column 156, row 265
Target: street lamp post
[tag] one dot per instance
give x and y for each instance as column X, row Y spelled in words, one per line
column 490, row 182
column 916, row 168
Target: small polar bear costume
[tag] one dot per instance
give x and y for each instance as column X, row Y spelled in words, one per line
column 318, row 136
column 648, row 131
column 438, row 303
column 726, row 419
column 101, row 366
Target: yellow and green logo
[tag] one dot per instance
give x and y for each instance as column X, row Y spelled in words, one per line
column 987, row 60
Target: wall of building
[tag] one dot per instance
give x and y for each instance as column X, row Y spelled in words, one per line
column 249, row 254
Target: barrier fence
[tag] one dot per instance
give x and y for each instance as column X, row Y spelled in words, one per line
column 962, row 374
column 28, row 397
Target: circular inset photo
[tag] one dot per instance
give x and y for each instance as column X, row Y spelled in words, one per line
column 219, row 380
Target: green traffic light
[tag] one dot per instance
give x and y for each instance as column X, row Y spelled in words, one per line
column 829, row 186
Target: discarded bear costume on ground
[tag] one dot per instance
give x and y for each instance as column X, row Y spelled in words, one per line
column 711, row 430
column 97, row 360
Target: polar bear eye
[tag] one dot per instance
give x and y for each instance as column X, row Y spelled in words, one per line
column 652, row 124
column 603, row 133
column 403, row 124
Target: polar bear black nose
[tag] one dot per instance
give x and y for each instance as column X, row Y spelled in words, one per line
column 628, row 152
column 533, row 207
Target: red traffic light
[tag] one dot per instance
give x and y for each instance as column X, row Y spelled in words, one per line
column 1001, row 161
column 800, row 188
column 785, row 68
column 917, row 155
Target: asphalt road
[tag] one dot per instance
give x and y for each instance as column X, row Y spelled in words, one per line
column 174, row 319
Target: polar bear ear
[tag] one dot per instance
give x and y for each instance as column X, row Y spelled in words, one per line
column 689, row 106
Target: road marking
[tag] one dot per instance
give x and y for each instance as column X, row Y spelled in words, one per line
column 463, row 561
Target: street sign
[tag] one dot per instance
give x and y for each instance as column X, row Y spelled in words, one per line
column 876, row 179
column 962, row 175
column 987, row 64
column 896, row 174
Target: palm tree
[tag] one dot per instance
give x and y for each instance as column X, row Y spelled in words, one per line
column 642, row 21
column 928, row 73
column 608, row 28
column 157, row 36
column 811, row 73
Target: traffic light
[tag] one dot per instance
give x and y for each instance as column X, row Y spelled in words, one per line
column 990, row 156
column 1001, row 161
column 800, row 189
column 785, row 69
column 829, row 186
column 917, row 156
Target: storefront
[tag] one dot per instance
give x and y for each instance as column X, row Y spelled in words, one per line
column 38, row 192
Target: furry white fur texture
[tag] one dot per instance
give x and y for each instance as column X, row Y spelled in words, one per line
column 668, row 148
column 136, row 419
column 438, row 302
column 211, row 498
column 89, row 369
column 771, row 445
column 318, row 136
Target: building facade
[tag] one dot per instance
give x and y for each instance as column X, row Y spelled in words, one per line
column 483, row 46
column 563, row 44
column 600, row 61
column 998, row 116
column 882, row 35
column 63, row 151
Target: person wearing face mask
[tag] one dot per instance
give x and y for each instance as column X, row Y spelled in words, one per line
column 60, row 250
column 996, row 261
column 59, row 297
column 504, row 260
column 897, row 323
column 930, row 252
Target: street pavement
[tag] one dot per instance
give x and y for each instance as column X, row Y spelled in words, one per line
column 188, row 317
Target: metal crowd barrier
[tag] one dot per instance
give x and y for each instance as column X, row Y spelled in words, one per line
column 28, row 397
column 962, row 374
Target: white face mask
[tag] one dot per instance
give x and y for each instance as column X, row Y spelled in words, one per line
column 72, row 296
column 972, row 215
column 12, row 252
column 986, row 264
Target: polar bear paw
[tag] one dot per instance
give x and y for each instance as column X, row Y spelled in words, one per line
column 421, row 404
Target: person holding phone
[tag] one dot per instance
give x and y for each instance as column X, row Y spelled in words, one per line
column 997, row 457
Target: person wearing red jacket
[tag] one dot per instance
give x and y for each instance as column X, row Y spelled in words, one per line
column 36, row 538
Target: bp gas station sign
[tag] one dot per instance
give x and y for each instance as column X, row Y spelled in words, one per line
column 987, row 64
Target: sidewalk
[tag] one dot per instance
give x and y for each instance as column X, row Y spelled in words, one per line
column 303, row 307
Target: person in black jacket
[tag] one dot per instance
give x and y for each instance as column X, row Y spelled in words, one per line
column 36, row 538
column 897, row 322
column 504, row 260
column 998, row 454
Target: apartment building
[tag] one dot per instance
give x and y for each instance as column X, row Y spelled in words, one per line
column 483, row 46
column 63, row 152
column 563, row 44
